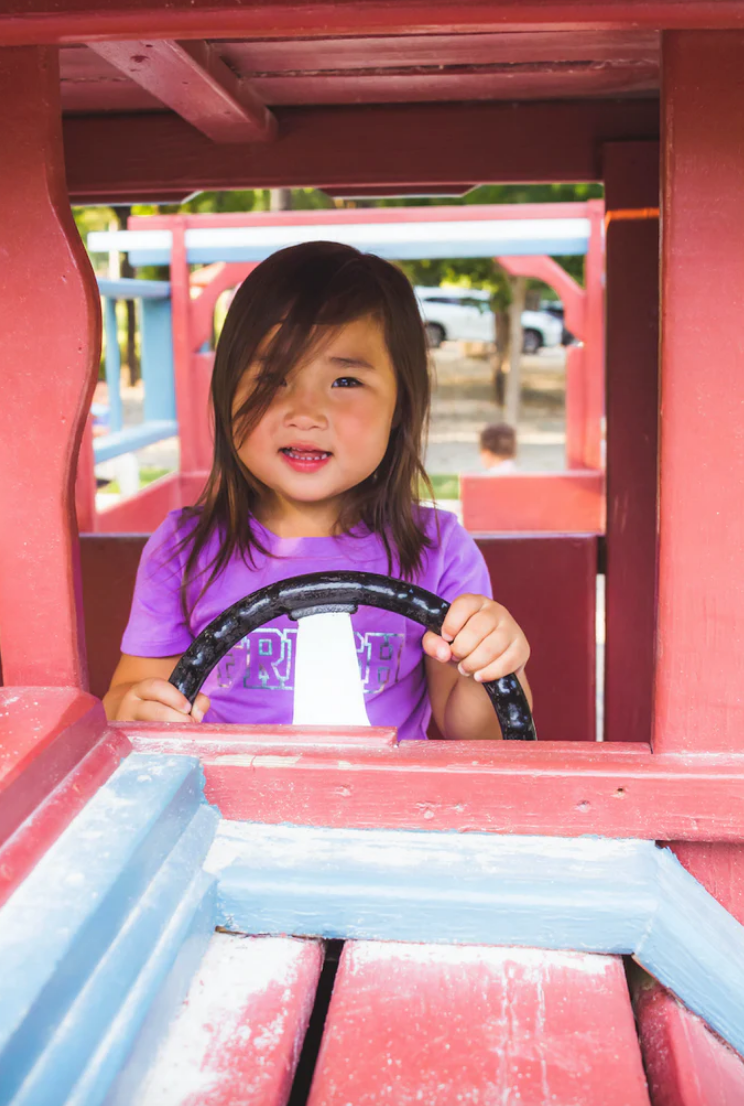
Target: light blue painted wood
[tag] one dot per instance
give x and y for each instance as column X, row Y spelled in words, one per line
column 101, row 1023
column 157, row 360
column 696, row 949
column 58, row 925
column 394, row 241
column 410, row 886
column 128, row 288
column 585, row 894
column 132, row 439
column 113, row 365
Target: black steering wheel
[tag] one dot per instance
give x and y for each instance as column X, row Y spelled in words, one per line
column 325, row 592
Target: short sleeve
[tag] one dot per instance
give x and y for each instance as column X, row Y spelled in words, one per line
column 463, row 568
column 157, row 625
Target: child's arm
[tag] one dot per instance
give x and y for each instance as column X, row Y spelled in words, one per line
column 486, row 643
column 140, row 692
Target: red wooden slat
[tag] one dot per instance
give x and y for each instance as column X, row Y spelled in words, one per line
column 686, row 1064
column 631, row 181
column 354, row 147
column 445, row 1025
column 554, row 788
column 40, row 21
column 549, row 585
column 192, row 80
column 237, row 1037
column 295, row 55
column 570, row 502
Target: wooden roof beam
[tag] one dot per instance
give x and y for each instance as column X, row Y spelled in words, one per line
column 192, row 80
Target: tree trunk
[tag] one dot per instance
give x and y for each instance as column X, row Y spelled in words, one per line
column 280, row 199
column 126, row 270
column 513, row 384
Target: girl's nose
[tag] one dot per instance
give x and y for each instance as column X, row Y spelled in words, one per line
column 305, row 409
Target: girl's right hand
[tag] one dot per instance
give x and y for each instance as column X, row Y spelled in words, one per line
column 157, row 700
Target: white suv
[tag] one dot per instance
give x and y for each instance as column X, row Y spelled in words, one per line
column 465, row 315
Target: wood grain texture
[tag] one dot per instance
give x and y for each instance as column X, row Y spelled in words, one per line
column 50, row 349
column 686, row 1064
column 40, row 21
column 238, row 1033
column 563, row 788
column 127, row 156
column 410, row 1023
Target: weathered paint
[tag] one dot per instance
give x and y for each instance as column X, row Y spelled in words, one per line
column 590, row 895
column 238, row 1033
column 410, row 1024
column 90, row 935
column 50, row 350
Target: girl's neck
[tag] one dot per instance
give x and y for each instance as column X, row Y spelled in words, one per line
column 299, row 520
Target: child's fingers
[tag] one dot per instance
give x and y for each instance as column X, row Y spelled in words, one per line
column 151, row 710
column 462, row 609
column 162, row 691
column 200, row 707
column 434, row 646
column 510, row 661
column 478, row 627
column 485, row 652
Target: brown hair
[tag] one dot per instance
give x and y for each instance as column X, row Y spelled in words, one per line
column 297, row 290
column 500, row 439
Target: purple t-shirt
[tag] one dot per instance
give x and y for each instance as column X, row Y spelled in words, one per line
column 254, row 682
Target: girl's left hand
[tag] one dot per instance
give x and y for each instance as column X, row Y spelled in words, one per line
column 481, row 637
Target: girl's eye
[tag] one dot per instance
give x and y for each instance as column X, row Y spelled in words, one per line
column 347, row 382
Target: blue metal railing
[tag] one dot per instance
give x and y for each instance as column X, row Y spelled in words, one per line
column 156, row 351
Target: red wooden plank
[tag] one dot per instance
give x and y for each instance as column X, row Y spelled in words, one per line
column 237, row 1037
column 700, row 660
column 550, row 585
column 559, row 502
column 631, row 181
column 193, row 80
column 44, row 732
column 560, row 789
column 354, row 147
column 50, row 350
column 446, row 1025
column 293, row 55
column 40, row 21
column 686, row 1064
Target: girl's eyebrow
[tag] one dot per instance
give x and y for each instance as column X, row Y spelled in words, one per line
column 355, row 362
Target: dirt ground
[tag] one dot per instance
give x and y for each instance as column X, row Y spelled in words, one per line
column 463, row 403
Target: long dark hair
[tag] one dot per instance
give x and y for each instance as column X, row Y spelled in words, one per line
column 297, row 290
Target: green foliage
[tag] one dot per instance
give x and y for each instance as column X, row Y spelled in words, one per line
column 467, row 272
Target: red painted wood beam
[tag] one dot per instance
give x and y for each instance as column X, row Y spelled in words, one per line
column 125, row 156
column 41, row 21
column 50, row 322
column 632, row 262
column 193, row 80
column 560, row 789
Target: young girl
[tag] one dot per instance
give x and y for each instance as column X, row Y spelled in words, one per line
column 321, row 395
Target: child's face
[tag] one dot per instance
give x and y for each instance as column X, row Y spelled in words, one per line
column 328, row 427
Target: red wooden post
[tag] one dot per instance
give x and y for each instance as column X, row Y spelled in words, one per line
column 632, row 252
column 699, row 705
column 50, row 323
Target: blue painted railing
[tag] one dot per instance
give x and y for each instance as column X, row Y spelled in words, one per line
column 156, row 349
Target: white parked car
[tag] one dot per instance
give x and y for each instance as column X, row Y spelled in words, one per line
column 465, row 315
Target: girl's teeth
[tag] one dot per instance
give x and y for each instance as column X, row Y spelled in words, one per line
column 304, row 455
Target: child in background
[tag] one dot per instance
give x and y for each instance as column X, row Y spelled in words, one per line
column 498, row 448
column 320, row 394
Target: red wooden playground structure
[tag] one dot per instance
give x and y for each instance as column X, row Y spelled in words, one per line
column 488, row 897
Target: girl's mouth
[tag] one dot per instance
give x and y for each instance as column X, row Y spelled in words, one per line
column 305, row 460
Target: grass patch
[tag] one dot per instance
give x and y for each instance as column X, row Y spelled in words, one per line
column 445, row 485
column 147, row 475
